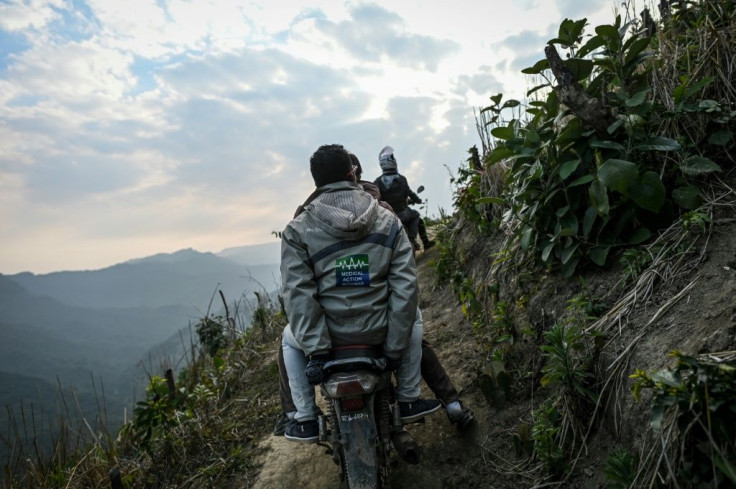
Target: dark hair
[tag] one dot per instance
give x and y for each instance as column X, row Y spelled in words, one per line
column 356, row 163
column 331, row 163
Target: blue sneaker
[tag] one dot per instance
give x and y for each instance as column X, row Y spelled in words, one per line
column 414, row 410
column 303, row 432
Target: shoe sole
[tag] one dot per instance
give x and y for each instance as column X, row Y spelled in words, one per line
column 410, row 419
column 297, row 439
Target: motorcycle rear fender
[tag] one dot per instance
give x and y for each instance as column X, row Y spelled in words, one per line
column 358, row 439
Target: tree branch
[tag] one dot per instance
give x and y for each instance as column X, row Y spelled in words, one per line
column 588, row 109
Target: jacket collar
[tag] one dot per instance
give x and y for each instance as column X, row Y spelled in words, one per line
column 335, row 186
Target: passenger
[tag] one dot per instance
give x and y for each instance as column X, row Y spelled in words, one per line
column 432, row 370
column 374, row 302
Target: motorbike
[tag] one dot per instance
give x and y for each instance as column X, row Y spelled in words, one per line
column 362, row 427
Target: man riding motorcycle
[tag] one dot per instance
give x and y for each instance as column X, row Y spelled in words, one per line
column 348, row 277
column 396, row 192
column 432, row 371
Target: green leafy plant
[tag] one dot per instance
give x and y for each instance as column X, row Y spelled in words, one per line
column 545, row 434
column 634, row 261
column 568, row 360
column 621, row 468
column 155, row 416
column 211, row 334
column 698, row 396
column 575, row 191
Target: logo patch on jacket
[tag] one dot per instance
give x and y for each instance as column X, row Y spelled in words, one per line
column 353, row 271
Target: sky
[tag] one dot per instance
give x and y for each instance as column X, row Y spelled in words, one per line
column 148, row 126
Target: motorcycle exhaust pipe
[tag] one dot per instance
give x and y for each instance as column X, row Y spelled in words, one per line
column 406, row 446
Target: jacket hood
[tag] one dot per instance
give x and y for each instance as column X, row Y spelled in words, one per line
column 344, row 210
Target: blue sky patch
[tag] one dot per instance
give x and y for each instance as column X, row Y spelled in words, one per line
column 11, row 44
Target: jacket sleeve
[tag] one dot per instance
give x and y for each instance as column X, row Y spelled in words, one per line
column 299, row 288
column 413, row 198
column 403, row 296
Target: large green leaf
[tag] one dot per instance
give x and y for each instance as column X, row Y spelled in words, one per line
column 568, row 167
column 618, row 175
column 504, row 133
column 581, row 181
column 635, row 48
column 639, row 236
column 539, row 66
column 599, row 198
column 598, row 254
column 567, row 225
column 527, row 237
column 649, row 193
column 616, row 124
column 532, row 136
column 610, row 34
column 538, row 87
column 580, row 68
column 569, row 268
column 698, row 165
column 567, row 252
column 720, row 138
column 589, row 220
column 605, row 144
column 536, row 170
column 659, row 143
column 637, row 99
column 687, row 197
column 547, row 250
column 499, row 153
column 571, row 132
column 570, row 32
column 593, row 43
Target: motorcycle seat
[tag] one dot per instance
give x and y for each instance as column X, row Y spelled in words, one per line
column 356, row 357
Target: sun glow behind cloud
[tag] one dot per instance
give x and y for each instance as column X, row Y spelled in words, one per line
column 131, row 128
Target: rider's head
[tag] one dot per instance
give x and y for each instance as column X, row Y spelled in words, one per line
column 331, row 163
column 387, row 160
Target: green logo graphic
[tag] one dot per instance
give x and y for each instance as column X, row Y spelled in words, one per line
column 353, row 271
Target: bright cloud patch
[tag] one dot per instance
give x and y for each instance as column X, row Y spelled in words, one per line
column 191, row 122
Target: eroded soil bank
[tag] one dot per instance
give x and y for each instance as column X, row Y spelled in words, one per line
column 692, row 310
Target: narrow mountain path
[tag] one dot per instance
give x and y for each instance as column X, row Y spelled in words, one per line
column 445, row 453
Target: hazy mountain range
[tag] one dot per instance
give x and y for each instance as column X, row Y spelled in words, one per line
column 66, row 328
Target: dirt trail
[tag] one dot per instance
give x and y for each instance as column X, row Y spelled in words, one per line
column 444, row 452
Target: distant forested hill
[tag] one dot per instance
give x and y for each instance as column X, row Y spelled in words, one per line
column 113, row 326
column 185, row 277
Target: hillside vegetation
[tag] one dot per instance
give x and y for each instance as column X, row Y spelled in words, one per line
column 581, row 295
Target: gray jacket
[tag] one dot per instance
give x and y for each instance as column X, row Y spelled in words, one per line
column 348, row 274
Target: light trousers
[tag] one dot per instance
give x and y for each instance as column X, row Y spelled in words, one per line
column 408, row 375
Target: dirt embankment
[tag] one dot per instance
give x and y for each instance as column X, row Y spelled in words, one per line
column 693, row 311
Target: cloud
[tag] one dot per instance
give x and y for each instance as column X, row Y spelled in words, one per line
column 374, row 34
column 18, row 15
column 483, row 82
column 137, row 127
column 524, row 49
column 577, row 9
